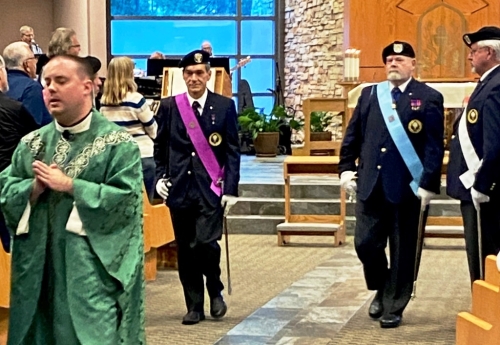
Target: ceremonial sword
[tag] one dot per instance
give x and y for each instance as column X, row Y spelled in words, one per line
column 420, row 244
column 480, row 241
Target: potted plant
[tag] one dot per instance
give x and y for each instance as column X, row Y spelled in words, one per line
column 265, row 128
column 320, row 120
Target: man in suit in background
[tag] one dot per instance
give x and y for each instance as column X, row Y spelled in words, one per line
column 207, row 46
column 473, row 174
column 197, row 163
column 396, row 132
column 21, row 63
column 15, row 122
column 28, row 36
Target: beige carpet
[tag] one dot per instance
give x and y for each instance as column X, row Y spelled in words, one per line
column 259, row 270
column 443, row 291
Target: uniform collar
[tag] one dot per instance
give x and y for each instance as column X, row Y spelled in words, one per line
column 403, row 86
column 485, row 74
column 202, row 100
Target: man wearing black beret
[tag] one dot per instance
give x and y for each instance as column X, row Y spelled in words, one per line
column 474, row 166
column 396, row 133
column 197, row 166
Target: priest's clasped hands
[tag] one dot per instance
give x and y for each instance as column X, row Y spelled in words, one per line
column 50, row 176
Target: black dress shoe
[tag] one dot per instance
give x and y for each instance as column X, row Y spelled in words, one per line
column 193, row 317
column 218, row 307
column 376, row 307
column 390, row 321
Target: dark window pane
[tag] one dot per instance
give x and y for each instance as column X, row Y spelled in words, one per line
column 260, row 75
column 173, row 7
column 257, row 7
column 171, row 37
column 257, row 37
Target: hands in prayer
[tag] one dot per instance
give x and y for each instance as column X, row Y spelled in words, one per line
column 50, row 177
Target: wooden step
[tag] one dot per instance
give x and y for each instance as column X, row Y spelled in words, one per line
column 308, row 227
column 287, row 229
column 485, row 301
column 491, row 272
column 449, row 231
column 471, row 330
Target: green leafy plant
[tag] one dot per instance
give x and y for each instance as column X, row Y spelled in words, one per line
column 254, row 122
column 320, row 120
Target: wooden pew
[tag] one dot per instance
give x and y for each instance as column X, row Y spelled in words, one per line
column 482, row 325
column 158, row 232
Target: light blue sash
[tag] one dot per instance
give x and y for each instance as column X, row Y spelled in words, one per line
column 399, row 135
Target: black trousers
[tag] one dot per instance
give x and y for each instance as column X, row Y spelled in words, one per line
column 378, row 221
column 490, row 230
column 195, row 222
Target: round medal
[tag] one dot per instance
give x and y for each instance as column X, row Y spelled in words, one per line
column 215, row 139
column 472, row 116
column 415, row 126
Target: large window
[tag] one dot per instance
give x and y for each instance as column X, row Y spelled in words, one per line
column 235, row 28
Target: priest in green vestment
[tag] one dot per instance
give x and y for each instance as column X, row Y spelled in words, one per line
column 72, row 198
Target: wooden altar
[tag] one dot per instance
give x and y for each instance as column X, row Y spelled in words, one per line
column 433, row 27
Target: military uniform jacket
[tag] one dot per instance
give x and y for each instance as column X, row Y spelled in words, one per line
column 367, row 138
column 483, row 126
column 177, row 159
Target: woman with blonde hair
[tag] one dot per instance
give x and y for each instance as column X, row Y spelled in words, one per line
column 122, row 104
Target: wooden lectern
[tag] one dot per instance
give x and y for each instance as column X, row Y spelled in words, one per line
column 221, row 83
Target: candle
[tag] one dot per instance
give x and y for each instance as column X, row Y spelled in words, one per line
column 347, row 65
column 356, row 65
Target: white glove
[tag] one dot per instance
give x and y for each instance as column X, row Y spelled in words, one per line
column 478, row 198
column 162, row 187
column 230, row 200
column 347, row 182
column 425, row 196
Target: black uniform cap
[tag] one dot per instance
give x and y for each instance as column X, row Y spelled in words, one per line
column 94, row 62
column 196, row 57
column 485, row 33
column 398, row 48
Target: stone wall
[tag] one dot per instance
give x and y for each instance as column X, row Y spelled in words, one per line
column 313, row 50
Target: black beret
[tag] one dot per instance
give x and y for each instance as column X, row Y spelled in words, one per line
column 485, row 33
column 398, row 48
column 196, row 57
column 94, row 62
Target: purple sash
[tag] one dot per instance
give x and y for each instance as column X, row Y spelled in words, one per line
column 200, row 143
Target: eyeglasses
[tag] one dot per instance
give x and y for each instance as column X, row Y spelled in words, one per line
column 474, row 51
column 31, row 58
column 29, row 35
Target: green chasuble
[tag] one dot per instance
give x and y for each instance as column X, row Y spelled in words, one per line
column 71, row 288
